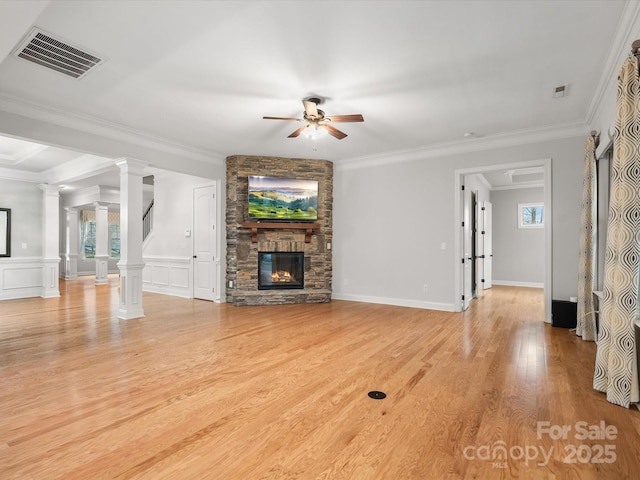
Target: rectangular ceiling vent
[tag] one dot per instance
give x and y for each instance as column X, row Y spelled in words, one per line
column 44, row 49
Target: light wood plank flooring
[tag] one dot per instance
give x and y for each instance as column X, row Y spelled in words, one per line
column 197, row 390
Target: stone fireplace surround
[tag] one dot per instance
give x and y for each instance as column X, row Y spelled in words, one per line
column 242, row 253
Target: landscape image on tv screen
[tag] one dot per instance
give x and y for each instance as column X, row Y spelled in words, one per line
column 283, row 199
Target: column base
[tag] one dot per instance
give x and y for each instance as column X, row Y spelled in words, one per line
column 130, row 305
column 70, row 266
column 51, row 273
column 102, row 269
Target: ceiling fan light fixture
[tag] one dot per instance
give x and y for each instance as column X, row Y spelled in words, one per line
column 314, row 131
column 317, row 124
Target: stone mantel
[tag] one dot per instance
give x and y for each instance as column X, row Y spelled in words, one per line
column 243, row 243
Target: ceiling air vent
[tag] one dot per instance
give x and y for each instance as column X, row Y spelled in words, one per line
column 44, row 49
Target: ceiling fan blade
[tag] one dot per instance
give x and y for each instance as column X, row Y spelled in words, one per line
column 310, row 108
column 298, row 131
column 282, row 118
column 347, row 118
column 335, row 132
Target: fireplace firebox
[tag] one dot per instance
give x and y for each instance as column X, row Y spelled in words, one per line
column 280, row 270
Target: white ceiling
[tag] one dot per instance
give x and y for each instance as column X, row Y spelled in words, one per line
column 201, row 74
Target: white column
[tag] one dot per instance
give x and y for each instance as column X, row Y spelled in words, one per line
column 72, row 235
column 102, row 242
column 130, row 264
column 50, row 240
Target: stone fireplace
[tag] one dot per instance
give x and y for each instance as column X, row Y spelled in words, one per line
column 280, row 270
column 301, row 250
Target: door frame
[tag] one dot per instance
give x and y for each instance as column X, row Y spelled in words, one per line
column 457, row 232
column 465, row 267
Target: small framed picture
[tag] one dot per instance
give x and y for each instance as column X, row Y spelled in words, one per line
column 5, row 232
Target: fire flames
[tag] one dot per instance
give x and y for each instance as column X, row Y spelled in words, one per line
column 281, row 276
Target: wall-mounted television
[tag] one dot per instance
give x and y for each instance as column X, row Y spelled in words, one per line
column 283, row 199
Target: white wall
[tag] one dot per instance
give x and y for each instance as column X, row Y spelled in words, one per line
column 25, row 201
column 518, row 253
column 22, row 274
column 390, row 220
column 167, row 252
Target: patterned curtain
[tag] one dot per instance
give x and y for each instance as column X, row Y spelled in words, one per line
column 586, row 326
column 616, row 371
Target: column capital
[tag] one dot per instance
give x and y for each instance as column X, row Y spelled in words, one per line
column 53, row 190
column 131, row 165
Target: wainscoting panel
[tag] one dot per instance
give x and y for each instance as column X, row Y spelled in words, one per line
column 160, row 275
column 21, row 277
column 168, row 275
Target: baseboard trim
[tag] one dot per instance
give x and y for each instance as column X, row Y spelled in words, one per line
column 509, row 283
column 397, row 302
column 164, row 290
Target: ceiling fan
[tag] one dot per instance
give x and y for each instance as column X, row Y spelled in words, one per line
column 316, row 121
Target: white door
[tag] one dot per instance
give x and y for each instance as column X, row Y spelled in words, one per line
column 204, row 243
column 467, row 256
column 479, row 237
column 488, row 249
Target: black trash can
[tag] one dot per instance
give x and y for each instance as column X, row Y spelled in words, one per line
column 564, row 314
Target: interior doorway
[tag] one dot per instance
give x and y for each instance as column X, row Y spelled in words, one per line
column 477, row 234
column 463, row 234
column 205, row 249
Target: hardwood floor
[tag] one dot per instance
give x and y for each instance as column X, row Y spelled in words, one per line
column 197, row 390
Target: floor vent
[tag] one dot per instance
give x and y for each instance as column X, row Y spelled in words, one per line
column 44, row 49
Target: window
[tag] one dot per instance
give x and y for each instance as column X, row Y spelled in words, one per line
column 603, row 182
column 88, row 234
column 530, row 215
column 114, row 234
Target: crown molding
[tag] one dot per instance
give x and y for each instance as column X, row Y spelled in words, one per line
column 27, row 151
column 103, row 128
column 79, row 168
column 21, row 175
column 519, row 186
column 502, row 140
column 620, row 48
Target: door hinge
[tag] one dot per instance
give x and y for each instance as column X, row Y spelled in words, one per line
column 462, row 186
column 482, row 208
column 482, row 232
column 462, row 297
column 463, row 224
column 463, row 260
